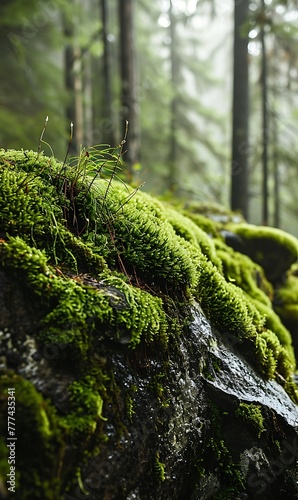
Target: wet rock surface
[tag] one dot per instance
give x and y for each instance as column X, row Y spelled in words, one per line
column 200, row 407
column 172, row 430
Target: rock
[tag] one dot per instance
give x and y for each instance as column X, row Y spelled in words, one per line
column 142, row 357
column 178, row 427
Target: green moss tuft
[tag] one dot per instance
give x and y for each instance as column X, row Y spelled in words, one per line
column 159, row 468
column 86, row 407
column 251, row 414
column 145, row 240
column 190, row 231
column 243, row 272
column 274, row 324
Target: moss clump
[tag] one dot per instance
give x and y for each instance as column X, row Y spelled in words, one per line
column 34, row 206
column 251, row 414
column 228, row 308
column 130, row 401
column 86, row 407
column 145, row 240
column 274, row 324
column 75, row 310
column 276, row 236
column 192, row 232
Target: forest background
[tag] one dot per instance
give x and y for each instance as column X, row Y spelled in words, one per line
column 209, row 88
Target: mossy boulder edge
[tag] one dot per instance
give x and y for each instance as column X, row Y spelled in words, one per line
column 99, row 271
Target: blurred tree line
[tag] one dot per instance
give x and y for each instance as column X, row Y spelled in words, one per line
column 98, row 63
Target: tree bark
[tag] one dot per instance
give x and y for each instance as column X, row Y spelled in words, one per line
column 240, row 144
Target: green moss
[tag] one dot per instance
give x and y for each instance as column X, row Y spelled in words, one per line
column 274, row 324
column 130, row 407
column 157, row 385
column 243, row 272
column 193, row 233
column 34, row 207
column 206, row 224
column 240, row 270
column 228, row 308
column 146, row 241
column 159, row 468
column 86, row 407
column 77, row 309
column 251, row 414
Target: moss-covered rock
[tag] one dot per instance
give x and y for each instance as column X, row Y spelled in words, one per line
column 104, row 277
column 286, row 303
column 272, row 248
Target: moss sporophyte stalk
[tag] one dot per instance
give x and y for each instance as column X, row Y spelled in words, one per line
column 104, row 262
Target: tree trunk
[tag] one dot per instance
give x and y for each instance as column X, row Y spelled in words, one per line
column 69, row 80
column 78, row 92
column 173, row 180
column 129, row 83
column 73, row 85
column 88, row 96
column 276, row 215
column 240, row 145
column 108, row 129
column 265, row 131
column 276, row 222
column 88, row 82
